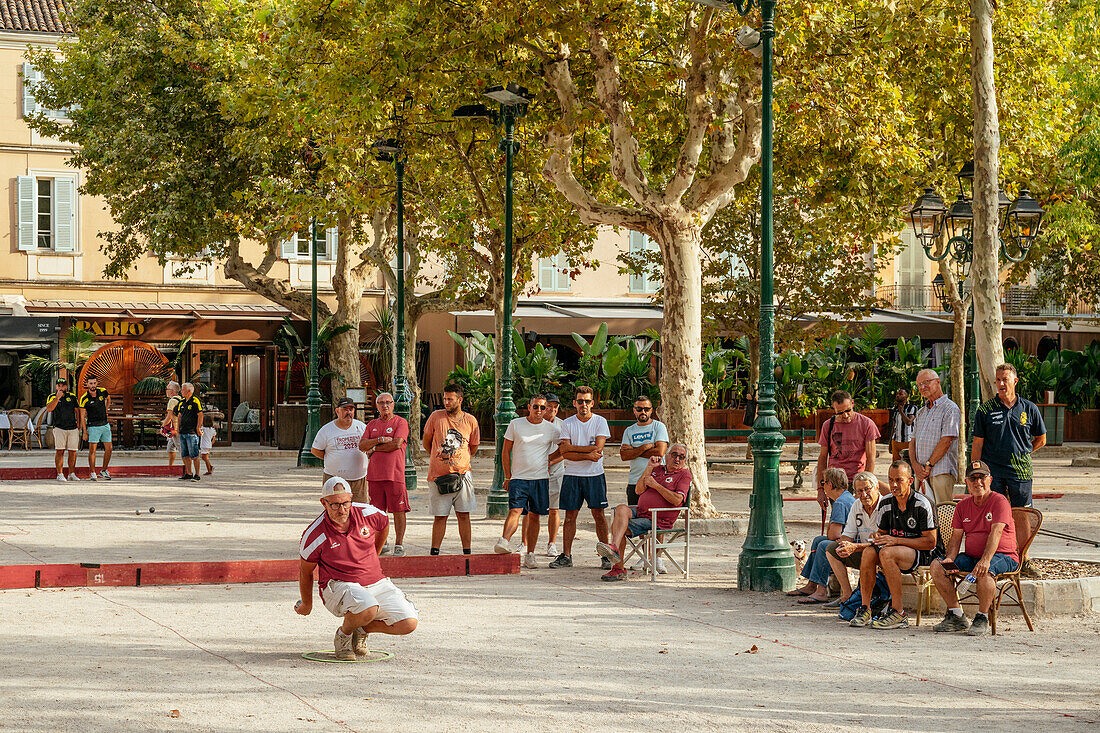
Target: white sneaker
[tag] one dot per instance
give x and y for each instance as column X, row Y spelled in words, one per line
column 639, row 565
column 93, row 477
column 343, row 645
column 105, row 475
column 72, row 477
column 386, row 549
column 398, row 551
column 502, row 547
column 551, row 550
column 661, row 570
column 60, row 477
column 529, row 560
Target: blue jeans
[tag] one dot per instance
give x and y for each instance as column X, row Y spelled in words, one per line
column 817, row 568
column 189, row 445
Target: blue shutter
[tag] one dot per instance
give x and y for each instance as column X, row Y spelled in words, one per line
column 64, row 222
column 27, row 232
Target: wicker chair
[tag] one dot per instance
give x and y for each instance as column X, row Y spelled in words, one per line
column 1028, row 520
column 945, row 512
column 20, row 431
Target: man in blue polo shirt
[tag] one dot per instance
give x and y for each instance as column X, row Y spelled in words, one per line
column 1007, row 430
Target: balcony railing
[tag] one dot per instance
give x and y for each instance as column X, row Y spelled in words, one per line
column 1016, row 301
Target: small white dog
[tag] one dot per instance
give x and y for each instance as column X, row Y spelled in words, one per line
column 799, row 549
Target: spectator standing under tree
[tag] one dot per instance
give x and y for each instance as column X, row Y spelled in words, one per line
column 385, row 440
column 451, row 437
column 557, row 473
column 902, row 415
column 168, row 424
column 189, row 420
column 63, row 407
column 337, row 444
column 905, row 539
column 863, row 520
column 582, row 440
column 646, row 438
column 984, row 518
column 933, row 454
column 816, row 571
column 847, row 441
column 94, row 404
column 1007, row 430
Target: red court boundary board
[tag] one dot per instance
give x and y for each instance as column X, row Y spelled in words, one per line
column 49, row 472
column 81, row 575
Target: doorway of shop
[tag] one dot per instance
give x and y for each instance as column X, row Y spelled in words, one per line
column 232, row 376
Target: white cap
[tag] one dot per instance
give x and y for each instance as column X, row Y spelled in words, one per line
column 335, row 485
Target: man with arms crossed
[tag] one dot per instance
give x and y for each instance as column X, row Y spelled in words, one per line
column 94, row 404
column 582, row 439
column 1007, row 430
column 342, row 544
column 337, row 444
column 985, row 519
column 451, row 436
column 66, row 428
column 528, row 443
column 557, row 473
column 847, row 441
column 384, row 440
column 641, row 441
column 906, row 536
column 933, row 452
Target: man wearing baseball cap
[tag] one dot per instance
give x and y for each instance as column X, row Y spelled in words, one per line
column 66, row 429
column 984, row 519
column 342, row 545
column 337, row 444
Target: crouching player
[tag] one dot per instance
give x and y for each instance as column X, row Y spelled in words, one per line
column 343, row 545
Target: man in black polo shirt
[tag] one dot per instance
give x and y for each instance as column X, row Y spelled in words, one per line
column 66, row 431
column 1007, row 429
column 905, row 538
column 189, row 428
column 94, row 404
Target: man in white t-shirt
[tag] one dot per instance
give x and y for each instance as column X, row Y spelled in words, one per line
column 582, row 439
column 528, row 443
column 337, row 443
column 641, row 441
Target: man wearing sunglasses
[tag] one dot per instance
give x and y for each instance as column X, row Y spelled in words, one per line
column 342, row 545
column 659, row 487
column 847, row 441
column 641, row 441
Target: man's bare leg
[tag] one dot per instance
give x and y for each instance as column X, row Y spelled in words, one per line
column 72, row 461
column 399, row 527
column 532, row 524
column 91, row 456
column 106, row 455
column 464, row 532
column 353, row 621
column 59, row 461
column 619, row 524
column 439, row 530
column 405, row 626
column 890, row 559
column 868, row 568
column 511, row 522
column 840, row 572
column 601, row 524
column 569, row 531
column 552, row 526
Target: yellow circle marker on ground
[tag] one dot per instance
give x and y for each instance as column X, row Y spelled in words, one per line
column 330, row 657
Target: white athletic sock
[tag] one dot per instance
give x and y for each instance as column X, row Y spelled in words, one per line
column 955, row 611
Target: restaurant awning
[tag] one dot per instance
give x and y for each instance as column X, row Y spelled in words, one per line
column 560, row 318
column 113, row 309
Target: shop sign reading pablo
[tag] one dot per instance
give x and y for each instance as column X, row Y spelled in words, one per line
column 112, row 328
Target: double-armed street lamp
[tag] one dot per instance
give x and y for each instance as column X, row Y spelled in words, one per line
column 392, row 150
column 512, row 100
column 766, row 562
column 314, row 161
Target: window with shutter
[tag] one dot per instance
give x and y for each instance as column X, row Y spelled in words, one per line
column 64, row 215
column 554, row 273
column 911, row 275
column 28, row 233
column 332, row 241
column 642, row 282
column 47, row 213
column 31, row 78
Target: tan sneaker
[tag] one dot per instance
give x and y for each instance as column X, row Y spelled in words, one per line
column 343, row 643
column 359, row 642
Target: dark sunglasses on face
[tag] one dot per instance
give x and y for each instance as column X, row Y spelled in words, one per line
column 538, row 407
column 838, row 413
column 583, row 402
column 643, row 409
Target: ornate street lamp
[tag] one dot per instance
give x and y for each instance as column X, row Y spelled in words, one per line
column 314, row 162
column 1021, row 226
column 512, row 100
column 392, row 150
column 766, row 562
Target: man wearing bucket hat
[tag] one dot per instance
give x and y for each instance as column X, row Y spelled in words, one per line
column 342, row 545
column 984, row 519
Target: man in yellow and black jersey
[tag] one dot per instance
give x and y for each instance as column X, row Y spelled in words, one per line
column 63, row 407
column 94, row 425
column 189, row 427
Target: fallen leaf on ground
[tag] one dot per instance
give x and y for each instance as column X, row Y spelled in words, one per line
column 174, row 714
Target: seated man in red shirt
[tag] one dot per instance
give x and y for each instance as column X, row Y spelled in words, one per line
column 343, row 545
column 984, row 518
column 659, row 487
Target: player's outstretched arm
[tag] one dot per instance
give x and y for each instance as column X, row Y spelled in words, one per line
column 305, row 588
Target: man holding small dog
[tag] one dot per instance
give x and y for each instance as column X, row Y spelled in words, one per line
column 342, row 545
column 984, row 519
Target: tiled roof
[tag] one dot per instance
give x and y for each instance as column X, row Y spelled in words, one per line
column 35, row 16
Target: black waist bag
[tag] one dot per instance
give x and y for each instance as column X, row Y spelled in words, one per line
column 449, row 483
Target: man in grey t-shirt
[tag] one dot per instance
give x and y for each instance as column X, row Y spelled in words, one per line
column 641, row 441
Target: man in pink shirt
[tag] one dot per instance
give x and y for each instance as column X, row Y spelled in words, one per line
column 984, row 519
column 342, row 545
column 847, row 441
column 384, row 440
column 660, row 487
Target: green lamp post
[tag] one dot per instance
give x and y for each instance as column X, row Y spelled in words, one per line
column 393, row 151
column 314, row 162
column 513, row 100
column 766, row 562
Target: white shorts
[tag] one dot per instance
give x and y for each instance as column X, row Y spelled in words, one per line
column 66, row 439
column 440, row 505
column 341, row 598
column 173, row 443
column 555, row 491
column 206, row 442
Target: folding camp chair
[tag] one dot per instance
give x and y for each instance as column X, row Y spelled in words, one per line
column 656, row 543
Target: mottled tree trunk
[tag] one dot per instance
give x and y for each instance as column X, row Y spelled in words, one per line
column 348, row 281
column 988, row 320
column 682, row 395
